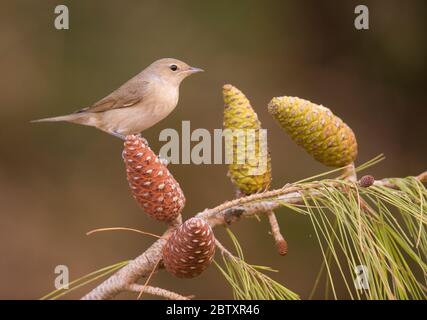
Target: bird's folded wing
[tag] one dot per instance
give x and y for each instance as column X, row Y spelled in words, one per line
column 128, row 95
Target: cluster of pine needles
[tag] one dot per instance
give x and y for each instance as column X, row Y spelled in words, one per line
column 83, row 281
column 380, row 228
column 248, row 281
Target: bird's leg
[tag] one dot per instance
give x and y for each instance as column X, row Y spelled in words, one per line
column 118, row 135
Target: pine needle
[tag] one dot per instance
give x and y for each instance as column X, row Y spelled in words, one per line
column 82, row 281
column 247, row 281
column 122, row 229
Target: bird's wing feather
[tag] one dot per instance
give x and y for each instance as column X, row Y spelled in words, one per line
column 129, row 94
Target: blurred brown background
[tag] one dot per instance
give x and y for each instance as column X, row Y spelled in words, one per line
column 57, row 181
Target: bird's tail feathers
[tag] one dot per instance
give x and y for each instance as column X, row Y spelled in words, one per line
column 80, row 118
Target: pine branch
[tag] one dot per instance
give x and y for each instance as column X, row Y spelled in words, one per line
column 154, row 291
column 281, row 244
column 224, row 214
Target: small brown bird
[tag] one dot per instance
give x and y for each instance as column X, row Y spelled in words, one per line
column 138, row 104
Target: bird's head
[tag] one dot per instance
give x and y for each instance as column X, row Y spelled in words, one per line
column 172, row 70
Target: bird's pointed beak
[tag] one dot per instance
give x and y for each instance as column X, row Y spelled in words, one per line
column 195, row 70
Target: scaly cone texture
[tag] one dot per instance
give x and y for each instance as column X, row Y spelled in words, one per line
column 316, row 129
column 152, row 186
column 239, row 115
column 190, row 249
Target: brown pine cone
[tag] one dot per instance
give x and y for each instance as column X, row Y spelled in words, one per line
column 190, row 249
column 151, row 183
column 366, row 181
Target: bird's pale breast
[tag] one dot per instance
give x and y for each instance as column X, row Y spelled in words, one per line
column 152, row 109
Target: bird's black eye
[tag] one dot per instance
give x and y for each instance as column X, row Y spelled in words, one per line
column 174, row 67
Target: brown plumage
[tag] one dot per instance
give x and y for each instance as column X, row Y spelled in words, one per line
column 138, row 104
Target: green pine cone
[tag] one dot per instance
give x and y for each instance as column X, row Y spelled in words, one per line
column 314, row 127
column 239, row 115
